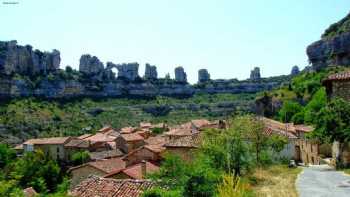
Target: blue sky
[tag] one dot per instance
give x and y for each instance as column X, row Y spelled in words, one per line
column 228, row 37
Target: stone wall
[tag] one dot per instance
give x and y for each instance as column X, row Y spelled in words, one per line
column 307, row 152
column 341, row 89
column 340, row 154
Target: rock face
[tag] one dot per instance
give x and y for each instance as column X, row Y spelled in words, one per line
column 255, row 74
column 203, row 75
column 129, row 71
column 295, row 70
column 151, row 72
column 23, row 60
column 90, row 65
column 180, row 75
column 330, row 51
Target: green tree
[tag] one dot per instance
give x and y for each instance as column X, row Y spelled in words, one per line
column 288, row 110
column 7, row 155
column 81, row 157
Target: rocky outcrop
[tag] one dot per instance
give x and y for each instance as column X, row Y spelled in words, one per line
column 180, row 75
column 203, row 76
column 90, row 65
column 295, row 70
column 23, row 60
column 129, row 71
column 151, row 72
column 255, row 74
column 330, row 51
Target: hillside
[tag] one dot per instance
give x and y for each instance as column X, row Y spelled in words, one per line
column 28, row 118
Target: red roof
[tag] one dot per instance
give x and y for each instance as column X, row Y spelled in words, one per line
column 135, row 171
column 339, row 76
column 97, row 187
column 107, row 165
column 105, row 129
column 132, row 137
column 52, row 140
column 100, row 137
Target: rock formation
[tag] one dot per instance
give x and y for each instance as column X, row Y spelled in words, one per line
column 295, row 70
column 203, row 75
column 129, row 71
column 255, row 74
column 151, row 72
column 90, row 65
column 180, row 75
column 23, row 60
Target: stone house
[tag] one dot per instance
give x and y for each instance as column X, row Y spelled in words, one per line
column 136, row 171
column 53, row 147
column 307, row 152
column 183, row 146
column 145, row 153
column 129, row 142
column 338, row 85
column 74, row 146
column 95, row 186
column 98, row 168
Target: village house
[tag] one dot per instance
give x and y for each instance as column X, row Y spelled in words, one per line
column 338, row 85
column 145, row 153
column 183, row 146
column 75, row 145
column 98, row 168
column 107, row 154
column 136, row 171
column 129, row 142
column 95, row 186
column 53, row 147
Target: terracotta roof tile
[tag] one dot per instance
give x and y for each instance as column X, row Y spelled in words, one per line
column 156, row 148
column 105, row 129
column 132, row 137
column 126, row 130
column 106, row 165
column 18, row 147
column 159, row 139
column 145, row 125
column 98, row 187
column 339, row 76
column 105, row 154
column 85, row 136
column 304, row 128
column 185, row 141
column 100, row 137
column 78, row 143
column 135, row 171
column 52, row 140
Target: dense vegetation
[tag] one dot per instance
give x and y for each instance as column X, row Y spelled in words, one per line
column 338, row 28
column 34, row 169
column 222, row 165
column 28, row 118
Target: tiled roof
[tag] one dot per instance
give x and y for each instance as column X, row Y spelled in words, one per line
column 52, row 140
column 156, row 148
column 29, row 192
column 18, row 147
column 304, row 128
column 105, row 154
column 104, row 187
column 185, row 141
column 127, row 130
column 105, row 129
column 339, row 76
column 269, row 132
column 78, row 143
column 275, row 125
column 107, row 165
column 85, row 136
column 100, row 137
column 179, row 132
column 132, row 137
column 161, row 140
column 200, row 123
column 145, row 125
column 135, row 171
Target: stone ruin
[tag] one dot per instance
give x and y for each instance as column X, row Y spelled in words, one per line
column 151, row 72
column 180, row 75
column 255, row 74
column 295, row 70
column 203, row 75
column 90, row 65
column 23, row 60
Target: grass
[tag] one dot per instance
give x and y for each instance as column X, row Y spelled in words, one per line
column 347, row 171
column 276, row 181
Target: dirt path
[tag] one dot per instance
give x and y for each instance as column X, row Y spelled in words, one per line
column 323, row 181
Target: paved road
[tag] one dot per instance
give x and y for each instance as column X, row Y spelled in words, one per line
column 323, row 181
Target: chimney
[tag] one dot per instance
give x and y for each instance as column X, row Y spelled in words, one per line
column 143, row 168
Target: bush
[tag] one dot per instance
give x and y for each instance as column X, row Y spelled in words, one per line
column 288, row 110
column 79, row 158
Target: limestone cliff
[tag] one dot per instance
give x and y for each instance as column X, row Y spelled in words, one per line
column 27, row 73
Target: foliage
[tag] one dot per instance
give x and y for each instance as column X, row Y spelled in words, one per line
column 10, row 189
column 158, row 192
column 333, row 121
column 288, row 110
column 233, row 187
column 6, row 155
column 37, row 171
column 337, row 28
column 81, row 157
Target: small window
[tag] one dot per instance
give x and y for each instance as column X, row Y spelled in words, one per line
column 58, row 149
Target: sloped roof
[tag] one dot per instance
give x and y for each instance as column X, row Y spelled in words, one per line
column 132, row 137
column 105, row 154
column 154, row 140
column 135, row 171
column 156, row 148
column 97, row 187
column 185, row 141
column 101, row 137
column 85, row 136
column 338, row 76
column 78, row 143
column 105, row 129
column 145, row 125
column 18, row 147
column 126, row 130
column 304, row 128
column 107, row 165
column 52, row 140
column 180, row 132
